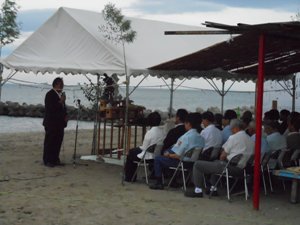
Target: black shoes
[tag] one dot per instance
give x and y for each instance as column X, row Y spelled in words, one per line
column 59, row 163
column 157, row 186
column 51, row 165
column 192, row 194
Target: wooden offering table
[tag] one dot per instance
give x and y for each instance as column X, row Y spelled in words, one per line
column 111, row 129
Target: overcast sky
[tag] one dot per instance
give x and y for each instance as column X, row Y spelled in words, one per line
column 33, row 13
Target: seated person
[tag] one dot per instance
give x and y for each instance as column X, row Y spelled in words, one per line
column 275, row 140
column 153, row 136
column 284, row 115
column 177, row 131
column 218, row 121
column 228, row 116
column 293, row 137
column 246, row 118
column 264, row 144
column 238, row 143
column 272, row 115
column 198, row 117
column 211, row 134
column 186, row 142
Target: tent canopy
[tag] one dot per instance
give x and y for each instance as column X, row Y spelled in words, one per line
column 239, row 55
column 71, row 42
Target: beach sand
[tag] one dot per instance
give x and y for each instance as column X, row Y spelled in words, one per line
column 32, row 194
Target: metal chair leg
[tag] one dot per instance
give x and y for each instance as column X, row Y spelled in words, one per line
column 246, row 187
column 174, row 174
column 135, row 172
column 270, row 180
column 146, row 171
column 227, row 184
column 183, row 177
column 283, row 184
column 205, row 185
column 263, row 178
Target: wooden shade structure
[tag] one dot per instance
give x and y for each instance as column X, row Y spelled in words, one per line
column 269, row 51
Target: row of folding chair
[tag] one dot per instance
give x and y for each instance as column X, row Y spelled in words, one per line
column 278, row 159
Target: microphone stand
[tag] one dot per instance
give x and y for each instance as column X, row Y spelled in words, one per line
column 76, row 134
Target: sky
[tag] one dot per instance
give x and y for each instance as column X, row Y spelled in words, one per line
column 33, row 13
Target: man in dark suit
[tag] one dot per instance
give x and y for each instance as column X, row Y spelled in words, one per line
column 177, row 131
column 55, row 120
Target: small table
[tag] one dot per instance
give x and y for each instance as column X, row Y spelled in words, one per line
column 293, row 174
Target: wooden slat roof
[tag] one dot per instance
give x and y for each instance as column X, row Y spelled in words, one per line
column 239, row 55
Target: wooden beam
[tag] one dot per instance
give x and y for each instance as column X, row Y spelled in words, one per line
column 198, row 32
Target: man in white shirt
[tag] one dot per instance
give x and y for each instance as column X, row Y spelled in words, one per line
column 228, row 116
column 238, row 143
column 155, row 135
column 211, row 134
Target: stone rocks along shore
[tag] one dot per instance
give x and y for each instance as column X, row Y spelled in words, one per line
column 16, row 109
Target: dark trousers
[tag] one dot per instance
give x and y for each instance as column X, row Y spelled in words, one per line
column 161, row 162
column 52, row 144
column 130, row 166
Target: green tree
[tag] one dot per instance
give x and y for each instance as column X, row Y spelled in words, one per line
column 296, row 17
column 9, row 30
column 118, row 30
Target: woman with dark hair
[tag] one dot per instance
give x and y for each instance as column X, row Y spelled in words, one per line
column 153, row 136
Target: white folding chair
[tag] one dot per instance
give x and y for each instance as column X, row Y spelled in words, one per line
column 235, row 162
column 144, row 162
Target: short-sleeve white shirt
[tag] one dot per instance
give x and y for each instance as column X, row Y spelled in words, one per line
column 212, row 137
column 153, row 136
column 238, row 143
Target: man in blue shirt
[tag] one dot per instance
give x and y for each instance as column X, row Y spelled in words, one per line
column 171, row 157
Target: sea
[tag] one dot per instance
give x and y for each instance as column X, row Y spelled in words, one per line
column 150, row 98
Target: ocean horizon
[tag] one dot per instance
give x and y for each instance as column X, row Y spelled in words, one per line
column 150, row 98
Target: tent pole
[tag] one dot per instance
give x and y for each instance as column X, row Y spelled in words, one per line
column 171, row 96
column 294, row 93
column 126, row 119
column 259, row 105
column 95, row 136
column 222, row 96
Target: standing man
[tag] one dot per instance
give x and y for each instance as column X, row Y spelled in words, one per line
column 55, row 121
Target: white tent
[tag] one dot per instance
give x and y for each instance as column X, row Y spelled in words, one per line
column 71, row 42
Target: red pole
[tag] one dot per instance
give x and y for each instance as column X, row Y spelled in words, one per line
column 259, row 105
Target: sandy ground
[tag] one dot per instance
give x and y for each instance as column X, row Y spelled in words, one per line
column 36, row 195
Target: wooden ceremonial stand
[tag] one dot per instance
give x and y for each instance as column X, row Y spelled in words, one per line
column 112, row 119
